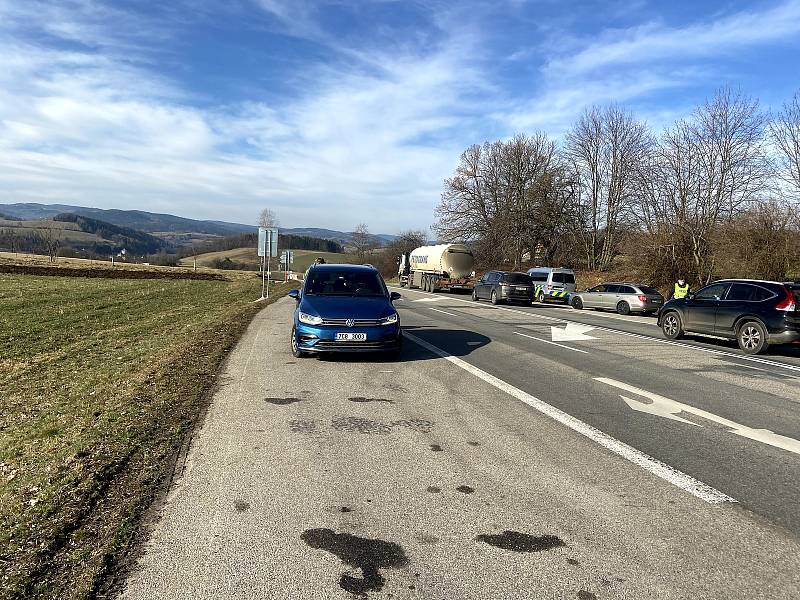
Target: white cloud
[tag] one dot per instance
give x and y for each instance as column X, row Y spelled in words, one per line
column 369, row 135
column 360, row 144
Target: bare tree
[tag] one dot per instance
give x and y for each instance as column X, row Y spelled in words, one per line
column 268, row 218
column 362, row 241
column 605, row 147
column 703, row 172
column 785, row 134
column 500, row 196
column 51, row 242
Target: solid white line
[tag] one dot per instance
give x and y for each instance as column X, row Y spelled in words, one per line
column 656, row 467
column 549, row 342
column 754, row 359
column 445, row 312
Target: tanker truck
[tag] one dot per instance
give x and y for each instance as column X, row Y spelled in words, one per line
column 440, row 267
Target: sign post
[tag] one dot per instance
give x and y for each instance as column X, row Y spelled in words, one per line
column 267, row 247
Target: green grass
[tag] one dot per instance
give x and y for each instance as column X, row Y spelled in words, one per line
column 99, row 381
column 248, row 256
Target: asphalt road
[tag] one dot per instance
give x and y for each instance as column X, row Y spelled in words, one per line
column 495, row 459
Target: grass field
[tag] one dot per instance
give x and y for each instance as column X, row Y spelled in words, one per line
column 100, row 380
column 248, row 256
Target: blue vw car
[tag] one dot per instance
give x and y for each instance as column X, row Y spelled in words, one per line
column 345, row 308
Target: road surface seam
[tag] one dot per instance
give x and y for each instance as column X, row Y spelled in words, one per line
column 652, row 465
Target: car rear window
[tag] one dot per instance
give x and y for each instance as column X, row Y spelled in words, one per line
column 517, row 278
column 569, row 278
column 538, row 276
column 626, row 289
column 748, row 293
column 329, row 282
column 558, row 277
column 649, row 291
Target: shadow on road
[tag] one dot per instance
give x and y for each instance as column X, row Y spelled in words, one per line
column 458, row 342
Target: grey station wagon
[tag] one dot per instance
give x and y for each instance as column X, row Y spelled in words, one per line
column 623, row 297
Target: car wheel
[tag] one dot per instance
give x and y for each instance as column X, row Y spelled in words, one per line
column 624, row 308
column 540, row 297
column 753, row 338
column 672, row 326
column 474, row 296
column 296, row 352
column 577, row 303
column 495, row 301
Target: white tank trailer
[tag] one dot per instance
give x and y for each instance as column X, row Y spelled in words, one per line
column 440, row 267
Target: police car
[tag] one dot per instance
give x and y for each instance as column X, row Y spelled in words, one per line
column 552, row 284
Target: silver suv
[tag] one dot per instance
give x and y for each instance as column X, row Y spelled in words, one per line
column 624, row 297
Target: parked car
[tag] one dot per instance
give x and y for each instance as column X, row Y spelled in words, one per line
column 552, row 284
column 345, row 308
column 623, row 297
column 754, row 313
column 504, row 286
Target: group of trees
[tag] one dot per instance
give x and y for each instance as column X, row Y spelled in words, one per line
column 715, row 194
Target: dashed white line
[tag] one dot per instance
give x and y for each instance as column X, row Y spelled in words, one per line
column 444, row 312
column 656, row 467
column 549, row 342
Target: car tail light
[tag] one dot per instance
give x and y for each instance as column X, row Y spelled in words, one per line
column 503, row 285
column 549, row 287
column 642, row 298
column 787, row 303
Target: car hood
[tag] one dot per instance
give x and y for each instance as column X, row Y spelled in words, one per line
column 347, row 307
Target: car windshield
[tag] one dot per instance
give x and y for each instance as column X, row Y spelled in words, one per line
column 517, row 278
column 328, row 282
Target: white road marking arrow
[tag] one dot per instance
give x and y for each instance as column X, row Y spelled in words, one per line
column 573, row 332
column 664, row 407
column 432, row 299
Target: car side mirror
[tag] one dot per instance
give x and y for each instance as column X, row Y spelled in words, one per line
column 294, row 294
column 394, row 296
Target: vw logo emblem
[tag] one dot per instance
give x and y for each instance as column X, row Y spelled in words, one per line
column 350, row 322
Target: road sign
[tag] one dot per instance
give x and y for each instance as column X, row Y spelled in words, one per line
column 267, row 241
column 267, row 247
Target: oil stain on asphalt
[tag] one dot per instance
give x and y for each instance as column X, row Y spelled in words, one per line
column 436, row 448
column 433, row 489
column 240, row 505
column 363, row 399
column 521, row 542
column 584, row 595
column 282, row 401
column 368, row 555
column 465, row 489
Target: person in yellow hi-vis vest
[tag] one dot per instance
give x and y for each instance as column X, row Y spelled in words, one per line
column 681, row 289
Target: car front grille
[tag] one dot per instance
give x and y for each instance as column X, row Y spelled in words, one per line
column 330, row 345
column 356, row 322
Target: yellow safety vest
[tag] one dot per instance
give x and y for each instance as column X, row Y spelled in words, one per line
column 681, row 291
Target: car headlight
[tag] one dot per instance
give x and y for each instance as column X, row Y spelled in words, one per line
column 309, row 319
column 389, row 320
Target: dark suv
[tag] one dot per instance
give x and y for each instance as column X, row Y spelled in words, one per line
column 503, row 286
column 754, row 313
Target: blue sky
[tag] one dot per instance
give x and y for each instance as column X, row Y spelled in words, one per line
column 334, row 112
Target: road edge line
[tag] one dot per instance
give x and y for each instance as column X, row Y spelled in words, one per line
column 652, row 465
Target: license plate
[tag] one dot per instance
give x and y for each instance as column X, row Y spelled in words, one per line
column 351, row 337
column 523, row 289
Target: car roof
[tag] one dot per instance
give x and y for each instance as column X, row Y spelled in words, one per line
column 554, row 269
column 747, row 281
column 342, row 267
